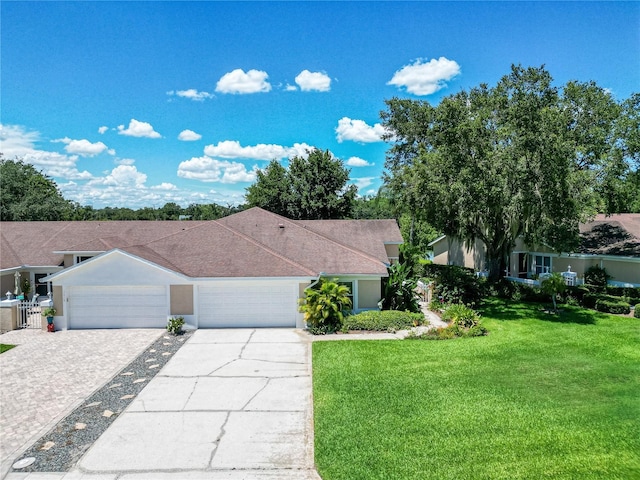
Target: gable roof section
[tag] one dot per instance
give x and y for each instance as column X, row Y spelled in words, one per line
column 213, row 250
column 367, row 235
column 304, row 245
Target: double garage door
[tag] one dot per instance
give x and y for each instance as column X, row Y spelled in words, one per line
column 247, row 305
column 117, row 307
column 223, row 305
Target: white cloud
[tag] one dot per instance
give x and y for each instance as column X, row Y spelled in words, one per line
column 313, row 81
column 165, row 186
column 208, row 169
column 192, row 94
column 425, row 78
column 102, row 129
column 358, row 131
column 84, row 147
column 17, row 142
column 124, row 161
column 122, row 176
column 138, row 129
column 261, row 151
column 362, row 182
column 290, row 88
column 189, row 136
column 358, row 162
column 237, row 81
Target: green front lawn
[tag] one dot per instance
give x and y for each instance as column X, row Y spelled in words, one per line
column 542, row 396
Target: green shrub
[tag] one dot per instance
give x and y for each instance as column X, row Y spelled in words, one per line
column 636, row 310
column 613, row 306
column 436, row 305
column 628, row 292
column 590, row 300
column 598, row 277
column 324, row 306
column 174, row 325
column 448, row 333
column 461, row 315
column 382, row 321
column 455, row 284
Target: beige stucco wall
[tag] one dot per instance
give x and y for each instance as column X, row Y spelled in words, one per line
column 7, row 284
column 368, row 293
column 68, row 260
column 393, row 251
column 622, row 271
column 181, row 299
column 58, row 298
column 8, row 318
column 451, row 251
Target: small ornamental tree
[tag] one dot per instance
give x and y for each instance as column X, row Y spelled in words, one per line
column 325, row 305
column 553, row 285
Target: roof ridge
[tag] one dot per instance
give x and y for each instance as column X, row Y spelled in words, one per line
column 351, row 249
column 264, row 247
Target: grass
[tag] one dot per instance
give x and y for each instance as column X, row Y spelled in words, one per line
column 4, row 347
column 542, row 396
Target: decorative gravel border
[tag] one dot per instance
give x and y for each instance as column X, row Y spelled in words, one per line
column 61, row 448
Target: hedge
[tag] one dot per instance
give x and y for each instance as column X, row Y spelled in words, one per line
column 382, row 321
column 615, row 307
column 636, row 311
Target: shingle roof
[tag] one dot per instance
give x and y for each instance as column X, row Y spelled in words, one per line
column 253, row 243
column 611, row 235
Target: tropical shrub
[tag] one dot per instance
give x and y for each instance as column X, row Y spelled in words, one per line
column 382, row 321
column 325, row 306
column 636, row 310
column 460, row 315
column 174, row 325
column 596, row 276
column 455, row 284
column 553, row 285
column 398, row 289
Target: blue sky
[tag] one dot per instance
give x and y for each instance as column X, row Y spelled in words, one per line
column 142, row 103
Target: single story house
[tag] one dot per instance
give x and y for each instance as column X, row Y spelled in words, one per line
column 245, row 270
column 610, row 242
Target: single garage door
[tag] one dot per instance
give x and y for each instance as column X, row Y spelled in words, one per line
column 118, row 307
column 247, row 305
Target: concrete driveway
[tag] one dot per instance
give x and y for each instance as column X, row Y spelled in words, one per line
column 230, row 404
column 48, row 374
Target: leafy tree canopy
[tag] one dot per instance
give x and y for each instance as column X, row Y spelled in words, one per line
column 28, row 194
column 520, row 158
column 312, row 188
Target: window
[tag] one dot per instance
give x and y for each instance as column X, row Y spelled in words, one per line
column 542, row 264
column 349, row 285
column 82, row 258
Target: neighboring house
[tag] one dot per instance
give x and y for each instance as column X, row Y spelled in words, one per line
column 245, row 270
column 610, row 242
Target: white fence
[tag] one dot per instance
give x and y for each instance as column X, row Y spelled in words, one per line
column 29, row 314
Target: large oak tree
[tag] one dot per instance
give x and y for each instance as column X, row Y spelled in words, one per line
column 494, row 163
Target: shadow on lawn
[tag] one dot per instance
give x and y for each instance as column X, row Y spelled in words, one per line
column 510, row 310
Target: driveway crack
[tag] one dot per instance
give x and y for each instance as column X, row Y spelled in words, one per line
column 219, row 439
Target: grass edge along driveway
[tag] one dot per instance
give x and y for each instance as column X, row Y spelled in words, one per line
column 542, row 396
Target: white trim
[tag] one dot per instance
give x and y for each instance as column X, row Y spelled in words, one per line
column 433, row 242
column 115, row 251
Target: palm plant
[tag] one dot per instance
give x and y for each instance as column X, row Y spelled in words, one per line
column 325, row 305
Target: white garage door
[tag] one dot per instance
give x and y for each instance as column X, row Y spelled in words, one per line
column 118, row 307
column 249, row 305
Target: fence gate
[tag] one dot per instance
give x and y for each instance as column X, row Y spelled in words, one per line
column 29, row 315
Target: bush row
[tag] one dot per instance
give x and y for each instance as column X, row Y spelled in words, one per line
column 636, row 311
column 382, row 321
